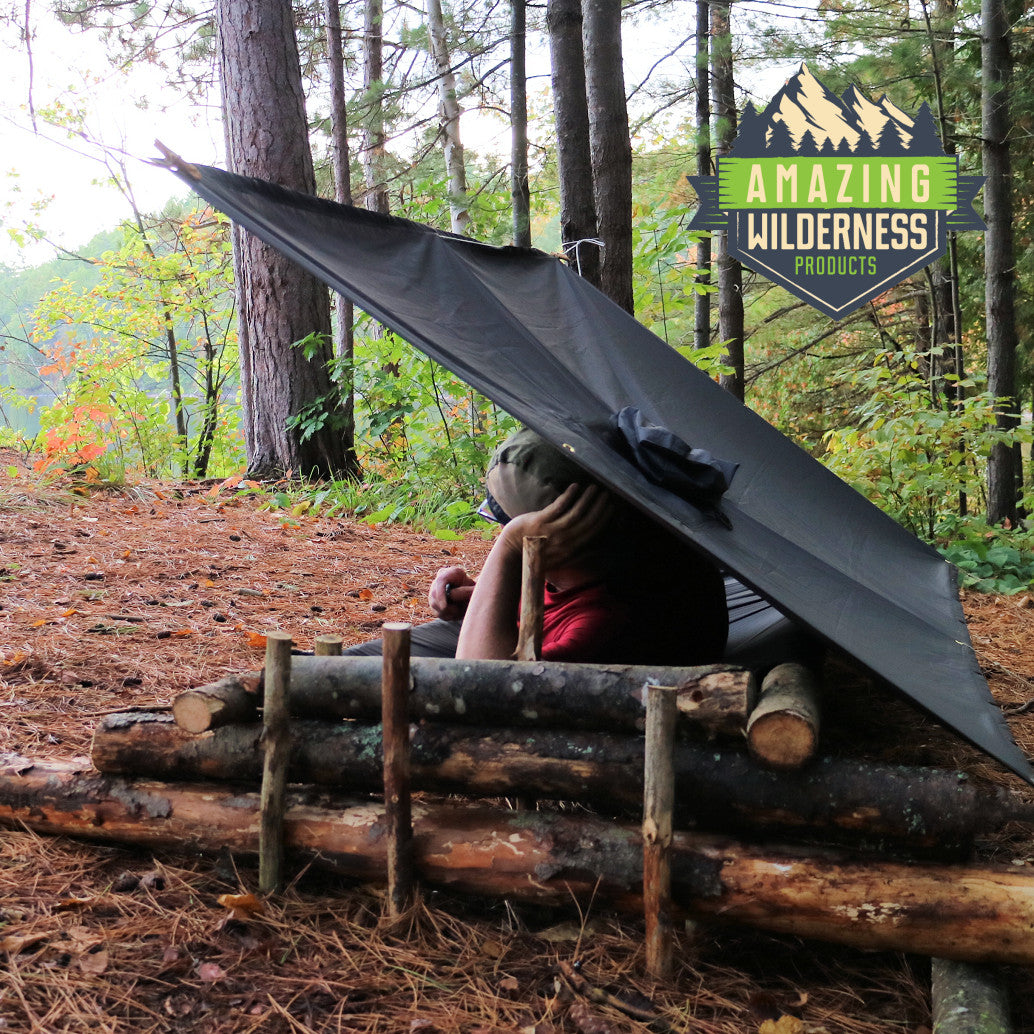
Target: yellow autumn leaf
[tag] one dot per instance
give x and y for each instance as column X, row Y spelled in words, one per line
column 784, row 1025
column 242, row 906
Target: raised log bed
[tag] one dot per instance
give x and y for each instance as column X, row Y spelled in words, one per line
column 973, row 914
column 718, row 788
column 527, row 693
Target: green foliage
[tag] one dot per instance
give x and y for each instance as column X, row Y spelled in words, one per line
column 417, row 421
column 910, row 454
column 989, row 559
column 145, row 353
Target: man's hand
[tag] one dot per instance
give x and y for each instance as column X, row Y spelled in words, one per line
column 450, row 593
column 570, row 523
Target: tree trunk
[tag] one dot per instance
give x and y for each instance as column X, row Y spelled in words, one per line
column 344, row 339
column 520, row 191
column 918, row 808
column 278, row 303
column 543, row 695
column 373, row 71
column 730, row 272
column 574, row 165
column 610, row 146
column 948, row 911
column 999, row 254
column 702, row 302
column 449, row 112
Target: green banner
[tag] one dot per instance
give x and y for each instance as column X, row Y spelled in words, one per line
column 887, row 182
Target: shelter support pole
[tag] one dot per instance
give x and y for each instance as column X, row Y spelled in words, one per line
column 533, row 584
column 328, row 645
column 395, row 732
column 276, row 741
column 658, row 804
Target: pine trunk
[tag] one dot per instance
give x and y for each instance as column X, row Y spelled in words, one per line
column 729, row 270
column 610, row 146
column 449, row 113
column 278, row 303
column 577, row 205
column 999, row 254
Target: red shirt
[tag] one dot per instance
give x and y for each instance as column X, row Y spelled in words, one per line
column 585, row 625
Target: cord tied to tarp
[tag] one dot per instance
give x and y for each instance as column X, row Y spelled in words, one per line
column 574, row 246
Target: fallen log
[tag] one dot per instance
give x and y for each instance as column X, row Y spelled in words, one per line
column 783, row 728
column 968, row 913
column 924, row 808
column 537, row 693
column 968, row 999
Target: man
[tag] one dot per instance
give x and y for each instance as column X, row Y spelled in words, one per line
column 619, row 589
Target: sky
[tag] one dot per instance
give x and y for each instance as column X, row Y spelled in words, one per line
column 62, row 168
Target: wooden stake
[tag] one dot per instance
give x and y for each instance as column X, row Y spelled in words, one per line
column 276, row 740
column 968, row 999
column 395, row 730
column 783, row 729
column 533, row 584
column 328, row 645
column 658, row 804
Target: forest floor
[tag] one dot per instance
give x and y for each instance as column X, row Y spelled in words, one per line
column 112, row 599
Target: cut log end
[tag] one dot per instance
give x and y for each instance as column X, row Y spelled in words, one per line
column 783, row 740
column 783, row 729
column 211, row 707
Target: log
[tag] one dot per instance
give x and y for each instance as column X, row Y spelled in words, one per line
column 922, row 808
column 527, row 693
column 783, row 728
column 968, row 999
column 225, row 702
column 968, row 913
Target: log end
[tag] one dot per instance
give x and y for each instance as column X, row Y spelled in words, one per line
column 782, row 740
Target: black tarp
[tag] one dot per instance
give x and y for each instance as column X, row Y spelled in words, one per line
column 538, row 340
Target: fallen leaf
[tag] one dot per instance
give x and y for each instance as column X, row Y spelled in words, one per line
column 211, row 972
column 509, row 984
column 242, row 906
column 366, row 594
column 95, row 962
column 589, row 1022
column 14, row 943
column 493, row 949
column 784, row 1025
column 256, row 640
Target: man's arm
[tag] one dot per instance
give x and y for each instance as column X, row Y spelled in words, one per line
column 569, row 524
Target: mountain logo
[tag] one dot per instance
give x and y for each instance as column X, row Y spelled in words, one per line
column 838, row 199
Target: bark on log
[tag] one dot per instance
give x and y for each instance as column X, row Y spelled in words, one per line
column 225, row 702
column 973, row 914
column 783, row 728
column 538, row 693
column 923, row 808
column 968, row 999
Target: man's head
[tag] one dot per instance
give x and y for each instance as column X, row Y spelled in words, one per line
column 526, row 473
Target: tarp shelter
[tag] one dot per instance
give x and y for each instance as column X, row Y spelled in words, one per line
column 542, row 343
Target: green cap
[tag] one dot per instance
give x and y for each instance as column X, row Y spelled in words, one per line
column 526, row 473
